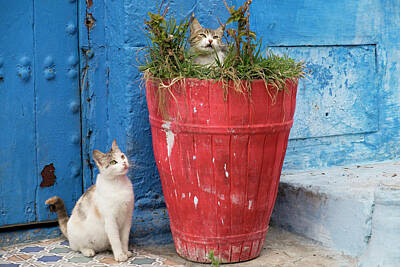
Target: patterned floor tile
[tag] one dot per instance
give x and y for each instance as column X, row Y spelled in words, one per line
column 50, row 258
column 32, row 249
column 80, row 259
column 56, row 253
column 142, row 261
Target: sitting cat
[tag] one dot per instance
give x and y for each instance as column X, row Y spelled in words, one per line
column 101, row 219
column 205, row 42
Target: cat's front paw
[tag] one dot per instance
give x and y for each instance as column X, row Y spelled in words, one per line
column 128, row 253
column 121, row 257
column 88, row 252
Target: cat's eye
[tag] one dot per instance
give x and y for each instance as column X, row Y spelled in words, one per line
column 215, row 37
column 203, row 35
column 113, row 162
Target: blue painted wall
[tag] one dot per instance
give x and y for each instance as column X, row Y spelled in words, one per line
column 348, row 110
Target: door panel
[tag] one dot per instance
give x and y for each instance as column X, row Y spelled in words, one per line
column 17, row 117
column 39, row 108
column 57, row 89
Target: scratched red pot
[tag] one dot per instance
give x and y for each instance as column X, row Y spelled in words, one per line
column 220, row 157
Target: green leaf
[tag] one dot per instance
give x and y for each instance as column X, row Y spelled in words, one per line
column 229, row 20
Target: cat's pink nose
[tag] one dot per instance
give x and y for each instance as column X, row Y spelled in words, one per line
column 210, row 41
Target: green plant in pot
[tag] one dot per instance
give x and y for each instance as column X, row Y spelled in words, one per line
column 220, row 133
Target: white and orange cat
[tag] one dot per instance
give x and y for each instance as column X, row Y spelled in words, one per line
column 102, row 217
column 206, row 44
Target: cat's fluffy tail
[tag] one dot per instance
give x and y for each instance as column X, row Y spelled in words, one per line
column 57, row 205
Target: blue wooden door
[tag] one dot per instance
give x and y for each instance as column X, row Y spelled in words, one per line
column 40, row 137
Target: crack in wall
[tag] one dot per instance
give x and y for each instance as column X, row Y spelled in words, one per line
column 369, row 221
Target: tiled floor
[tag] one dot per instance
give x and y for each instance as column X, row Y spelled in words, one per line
column 56, row 252
column 281, row 249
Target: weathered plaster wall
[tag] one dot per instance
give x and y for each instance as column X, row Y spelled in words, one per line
column 348, row 110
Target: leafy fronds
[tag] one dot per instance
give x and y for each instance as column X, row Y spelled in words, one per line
column 167, row 56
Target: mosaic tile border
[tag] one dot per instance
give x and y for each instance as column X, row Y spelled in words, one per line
column 56, row 252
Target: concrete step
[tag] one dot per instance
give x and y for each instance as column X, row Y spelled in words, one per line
column 281, row 249
column 353, row 209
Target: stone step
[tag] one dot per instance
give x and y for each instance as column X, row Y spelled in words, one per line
column 352, row 209
column 281, row 249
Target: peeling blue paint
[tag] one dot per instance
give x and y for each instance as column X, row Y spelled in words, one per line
column 340, row 95
column 348, row 110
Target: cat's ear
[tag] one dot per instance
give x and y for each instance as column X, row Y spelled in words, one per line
column 195, row 26
column 220, row 30
column 114, row 146
column 97, row 157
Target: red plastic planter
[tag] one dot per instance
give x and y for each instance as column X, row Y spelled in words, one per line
column 220, row 163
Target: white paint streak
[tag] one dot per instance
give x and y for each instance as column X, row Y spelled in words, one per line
column 170, row 136
column 183, row 195
column 194, row 110
column 198, row 179
column 213, row 160
column 226, row 172
column 222, row 221
column 235, row 199
column 250, row 203
column 196, row 201
column 219, row 203
column 172, row 173
column 190, row 194
column 194, row 157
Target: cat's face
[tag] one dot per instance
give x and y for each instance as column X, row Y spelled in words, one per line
column 205, row 40
column 112, row 163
